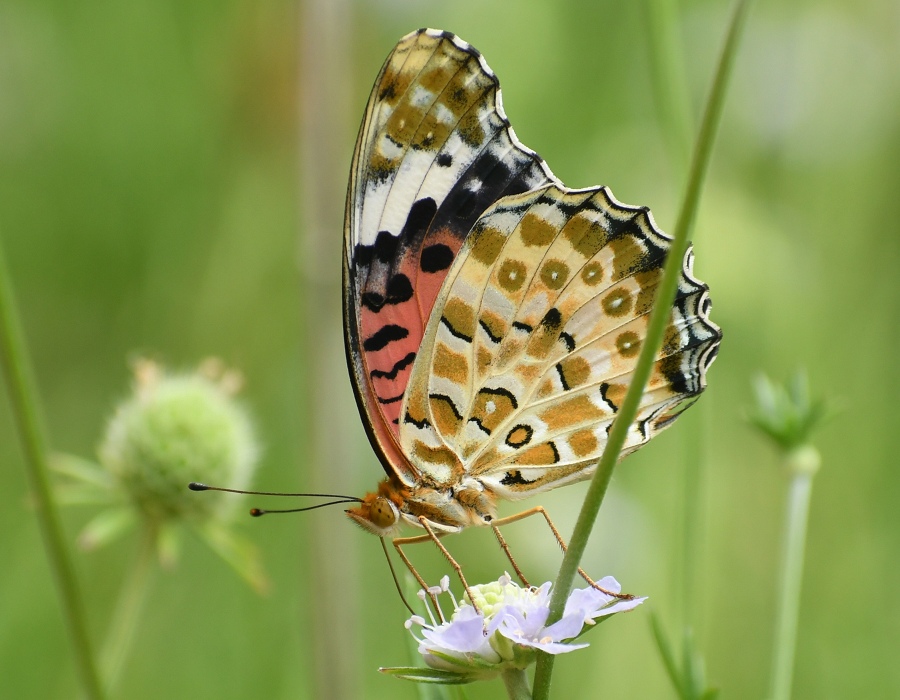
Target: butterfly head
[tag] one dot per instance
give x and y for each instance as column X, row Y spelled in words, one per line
column 379, row 512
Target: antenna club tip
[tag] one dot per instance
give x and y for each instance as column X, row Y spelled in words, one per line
column 196, row 486
column 256, row 512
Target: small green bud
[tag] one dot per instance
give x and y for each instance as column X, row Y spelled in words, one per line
column 787, row 413
column 177, row 428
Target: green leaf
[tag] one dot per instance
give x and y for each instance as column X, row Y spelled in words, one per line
column 474, row 662
column 668, row 656
column 240, row 554
column 85, row 495
column 106, row 526
column 428, row 675
column 80, row 469
column 693, row 667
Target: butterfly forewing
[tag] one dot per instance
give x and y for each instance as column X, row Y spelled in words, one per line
column 434, row 151
column 535, row 335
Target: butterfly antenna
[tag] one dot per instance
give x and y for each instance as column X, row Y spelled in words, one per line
column 196, row 486
column 257, row 512
column 394, row 576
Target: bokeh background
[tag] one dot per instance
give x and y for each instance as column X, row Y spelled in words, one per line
column 172, row 176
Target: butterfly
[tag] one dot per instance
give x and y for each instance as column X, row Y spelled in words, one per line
column 493, row 316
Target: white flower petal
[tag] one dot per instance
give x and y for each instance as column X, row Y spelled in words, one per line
column 460, row 635
column 620, row 606
column 568, row 627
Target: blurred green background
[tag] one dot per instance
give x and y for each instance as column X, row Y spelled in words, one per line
column 172, row 176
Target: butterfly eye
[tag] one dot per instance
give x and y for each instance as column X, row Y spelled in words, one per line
column 383, row 514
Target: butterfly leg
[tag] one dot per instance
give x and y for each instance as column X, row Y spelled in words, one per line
column 453, row 563
column 398, row 545
column 505, row 548
column 562, row 544
column 434, row 537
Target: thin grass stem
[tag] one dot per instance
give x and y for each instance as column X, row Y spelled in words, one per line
column 658, row 318
column 23, row 397
column 791, row 575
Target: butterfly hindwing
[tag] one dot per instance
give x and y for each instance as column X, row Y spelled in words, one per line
column 434, row 151
column 534, row 338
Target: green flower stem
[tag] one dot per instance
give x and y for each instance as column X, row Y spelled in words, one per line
column 655, row 329
column 128, row 610
column 802, row 464
column 23, row 397
column 516, row 682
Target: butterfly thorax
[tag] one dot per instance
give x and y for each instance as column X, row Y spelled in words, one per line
column 444, row 508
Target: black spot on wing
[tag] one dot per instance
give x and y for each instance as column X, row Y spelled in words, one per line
column 552, row 320
column 500, row 391
column 363, row 255
column 383, row 336
column 435, row 258
column 399, row 290
column 670, row 368
column 519, row 326
column 419, row 219
column 385, row 246
column 418, row 423
column 493, row 338
column 446, row 399
column 562, row 377
column 445, row 160
column 568, row 340
column 389, row 90
column 555, row 452
column 455, row 333
column 515, row 478
column 604, row 388
column 373, row 301
column 398, row 367
column 481, row 427
column 391, row 399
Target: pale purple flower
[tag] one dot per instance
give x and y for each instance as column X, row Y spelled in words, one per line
column 506, row 628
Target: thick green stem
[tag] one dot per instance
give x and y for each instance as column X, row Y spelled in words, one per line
column 652, row 342
column 802, row 464
column 516, row 682
column 23, row 397
column 128, row 610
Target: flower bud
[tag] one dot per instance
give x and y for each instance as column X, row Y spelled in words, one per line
column 174, row 429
